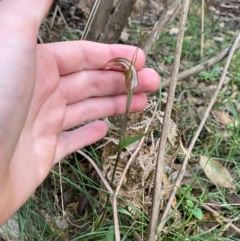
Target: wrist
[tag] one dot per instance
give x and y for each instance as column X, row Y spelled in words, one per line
column 6, row 201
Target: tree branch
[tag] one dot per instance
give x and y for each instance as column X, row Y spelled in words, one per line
column 117, row 21
column 157, row 29
column 200, row 67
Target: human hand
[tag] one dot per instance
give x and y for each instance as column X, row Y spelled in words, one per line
column 48, row 89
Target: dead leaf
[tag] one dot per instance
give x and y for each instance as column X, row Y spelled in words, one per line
column 218, row 39
column 216, row 172
column 223, row 117
column 173, row 31
column 61, row 222
column 167, row 187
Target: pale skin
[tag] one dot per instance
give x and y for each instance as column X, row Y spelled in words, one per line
column 48, row 89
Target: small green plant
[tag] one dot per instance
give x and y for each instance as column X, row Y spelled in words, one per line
column 189, row 203
column 168, row 59
column 211, row 75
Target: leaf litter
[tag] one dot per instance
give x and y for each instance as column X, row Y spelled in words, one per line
column 216, row 172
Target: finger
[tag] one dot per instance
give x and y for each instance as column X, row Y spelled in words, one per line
column 96, row 108
column 75, row 56
column 71, row 141
column 81, row 85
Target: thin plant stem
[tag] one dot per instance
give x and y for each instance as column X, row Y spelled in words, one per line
column 131, row 81
column 202, row 28
column 123, row 130
column 133, row 156
column 165, row 126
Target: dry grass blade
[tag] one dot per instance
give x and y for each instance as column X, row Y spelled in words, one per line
column 164, row 129
column 90, row 19
column 183, row 168
column 61, row 188
column 115, row 214
column 58, row 9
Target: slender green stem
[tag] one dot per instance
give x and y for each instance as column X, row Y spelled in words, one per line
column 124, row 123
column 123, row 130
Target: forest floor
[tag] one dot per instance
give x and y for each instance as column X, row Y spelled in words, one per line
column 205, row 207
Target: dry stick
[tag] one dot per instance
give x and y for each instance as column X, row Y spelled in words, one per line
column 105, row 182
column 218, row 216
column 53, row 17
column 90, row 19
column 202, row 29
column 57, row 8
column 156, row 31
column 206, row 114
column 200, row 67
column 166, row 121
column 63, row 18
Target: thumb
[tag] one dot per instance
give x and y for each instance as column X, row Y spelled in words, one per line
column 20, row 20
column 19, row 24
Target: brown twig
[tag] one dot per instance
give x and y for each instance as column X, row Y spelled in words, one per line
column 220, row 219
column 206, row 114
column 202, row 28
column 166, row 121
column 200, row 67
column 156, row 31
